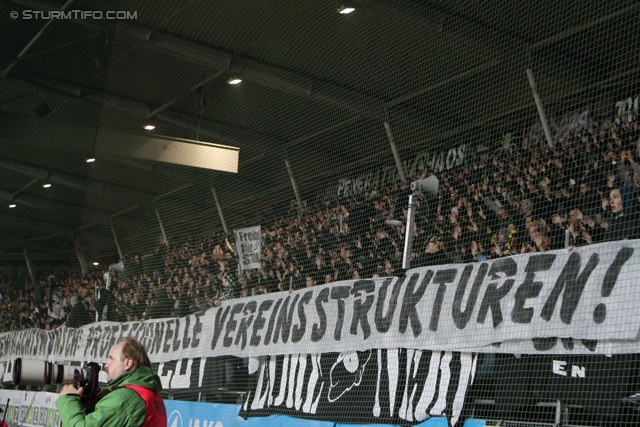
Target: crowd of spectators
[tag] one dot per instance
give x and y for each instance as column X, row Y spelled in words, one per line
column 528, row 197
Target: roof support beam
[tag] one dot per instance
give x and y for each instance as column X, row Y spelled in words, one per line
column 35, row 202
column 30, row 266
column 115, row 239
column 262, row 74
column 16, row 128
column 216, row 131
column 71, row 181
column 168, row 104
column 165, row 239
column 247, row 69
column 53, row 177
column 38, row 227
column 175, row 191
column 35, row 38
column 453, row 25
column 11, row 239
column 219, row 207
column 57, row 207
column 43, row 51
column 77, row 244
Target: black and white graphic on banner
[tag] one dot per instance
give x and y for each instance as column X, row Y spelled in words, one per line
column 409, row 386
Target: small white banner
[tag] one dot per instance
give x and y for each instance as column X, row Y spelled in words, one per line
column 249, row 244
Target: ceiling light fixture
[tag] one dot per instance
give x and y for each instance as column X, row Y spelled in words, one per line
column 346, row 10
column 96, row 263
column 47, row 185
column 91, row 160
column 234, row 81
column 149, row 127
column 12, row 205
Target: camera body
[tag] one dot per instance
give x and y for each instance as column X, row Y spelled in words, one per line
column 39, row 373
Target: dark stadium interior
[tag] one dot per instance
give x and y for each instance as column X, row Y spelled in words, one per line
column 324, row 101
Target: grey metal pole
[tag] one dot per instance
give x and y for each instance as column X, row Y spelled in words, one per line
column 78, row 248
column 408, row 239
column 394, row 150
column 115, row 238
column 30, row 268
column 538, row 99
column 35, row 38
column 293, row 182
column 215, row 197
column 164, row 234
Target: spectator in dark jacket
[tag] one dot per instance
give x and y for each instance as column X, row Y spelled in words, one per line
column 432, row 255
column 229, row 288
column 621, row 226
column 225, row 366
column 79, row 315
column 162, row 306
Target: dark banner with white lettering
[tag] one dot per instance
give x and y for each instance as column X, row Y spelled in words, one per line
column 598, row 383
column 396, row 387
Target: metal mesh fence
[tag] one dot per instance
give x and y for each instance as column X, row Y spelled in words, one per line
column 434, row 218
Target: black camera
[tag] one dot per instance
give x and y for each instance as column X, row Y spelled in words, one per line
column 39, row 373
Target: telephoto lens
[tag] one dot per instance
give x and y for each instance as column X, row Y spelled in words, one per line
column 39, row 373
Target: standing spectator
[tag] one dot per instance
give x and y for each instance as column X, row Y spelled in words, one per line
column 105, row 304
column 228, row 290
column 621, row 226
column 161, row 306
column 79, row 315
column 225, row 366
column 432, row 254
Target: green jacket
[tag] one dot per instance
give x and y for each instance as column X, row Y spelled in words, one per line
column 119, row 407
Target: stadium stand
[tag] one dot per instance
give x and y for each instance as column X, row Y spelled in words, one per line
column 256, row 240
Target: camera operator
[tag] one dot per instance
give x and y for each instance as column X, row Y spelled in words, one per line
column 131, row 398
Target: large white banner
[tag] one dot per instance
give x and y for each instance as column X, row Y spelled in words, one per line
column 586, row 296
column 249, row 246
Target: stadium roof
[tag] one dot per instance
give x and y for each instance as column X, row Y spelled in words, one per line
column 78, row 87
